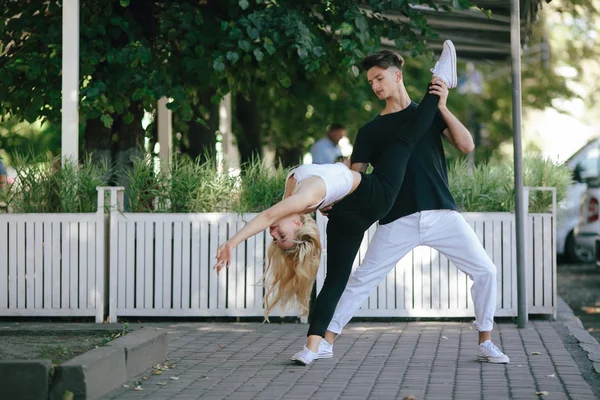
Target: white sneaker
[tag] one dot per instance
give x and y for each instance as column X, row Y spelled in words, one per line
column 488, row 352
column 305, row 357
column 325, row 349
column 445, row 68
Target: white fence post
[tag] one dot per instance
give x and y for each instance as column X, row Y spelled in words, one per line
column 116, row 206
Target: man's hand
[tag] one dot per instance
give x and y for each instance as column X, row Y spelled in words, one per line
column 439, row 88
column 325, row 210
column 223, row 257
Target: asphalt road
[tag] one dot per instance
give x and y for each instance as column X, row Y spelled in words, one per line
column 579, row 286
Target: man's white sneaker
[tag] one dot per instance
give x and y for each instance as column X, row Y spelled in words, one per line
column 325, row 349
column 304, row 357
column 488, row 352
column 445, row 68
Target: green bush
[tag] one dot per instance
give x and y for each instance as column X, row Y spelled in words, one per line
column 43, row 186
column 193, row 187
column 490, row 186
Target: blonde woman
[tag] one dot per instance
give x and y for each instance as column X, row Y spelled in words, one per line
column 293, row 257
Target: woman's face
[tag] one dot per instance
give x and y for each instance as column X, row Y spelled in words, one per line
column 284, row 231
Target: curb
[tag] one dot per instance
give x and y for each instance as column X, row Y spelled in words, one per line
column 143, row 349
column 24, row 379
column 586, row 341
column 89, row 375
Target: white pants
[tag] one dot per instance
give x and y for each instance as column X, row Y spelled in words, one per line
column 445, row 231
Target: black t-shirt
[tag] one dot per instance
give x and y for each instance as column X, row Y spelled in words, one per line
column 425, row 185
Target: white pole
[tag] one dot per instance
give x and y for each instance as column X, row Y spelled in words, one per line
column 70, row 81
column 165, row 133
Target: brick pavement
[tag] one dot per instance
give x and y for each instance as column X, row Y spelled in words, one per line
column 427, row 360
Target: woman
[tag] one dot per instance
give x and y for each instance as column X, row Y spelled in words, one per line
column 293, row 257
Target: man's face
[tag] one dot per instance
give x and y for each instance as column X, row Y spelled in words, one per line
column 384, row 81
column 336, row 135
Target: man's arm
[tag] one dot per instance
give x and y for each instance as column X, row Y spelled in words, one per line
column 456, row 133
column 359, row 167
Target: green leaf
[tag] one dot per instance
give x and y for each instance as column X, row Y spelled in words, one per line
column 218, row 66
column 124, row 3
column 244, row 4
column 302, row 53
column 286, row 82
column 107, row 120
column 128, row 118
column 270, row 48
column 258, row 54
column 233, row 56
column 244, row 45
column 318, row 51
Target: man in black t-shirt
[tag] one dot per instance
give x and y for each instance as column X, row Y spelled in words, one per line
column 423, row 214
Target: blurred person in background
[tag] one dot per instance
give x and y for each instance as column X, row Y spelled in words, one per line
column 326, row 150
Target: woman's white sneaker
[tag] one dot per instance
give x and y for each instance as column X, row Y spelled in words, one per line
column 325, row 349
column 488, row 352
column 304, row 357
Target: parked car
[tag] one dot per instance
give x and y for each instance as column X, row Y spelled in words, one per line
column 577, row 217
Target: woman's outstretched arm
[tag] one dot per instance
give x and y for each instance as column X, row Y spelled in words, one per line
column 297, row 203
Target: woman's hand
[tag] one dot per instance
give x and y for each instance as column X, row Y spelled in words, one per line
column 223, row 256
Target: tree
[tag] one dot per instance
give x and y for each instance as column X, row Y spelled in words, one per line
column 134, row 52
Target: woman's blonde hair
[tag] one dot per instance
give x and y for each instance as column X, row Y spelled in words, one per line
column 291, row 273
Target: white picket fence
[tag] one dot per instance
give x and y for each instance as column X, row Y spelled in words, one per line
column 161, row 265
column 53, row 264
column 424, row 283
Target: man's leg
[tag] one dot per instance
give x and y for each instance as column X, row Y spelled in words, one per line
column 449, row 233
column 390, row 243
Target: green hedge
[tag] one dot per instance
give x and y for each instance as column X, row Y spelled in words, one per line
column 190, row 186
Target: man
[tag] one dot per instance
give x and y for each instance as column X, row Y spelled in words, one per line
column 424, row 214
column 326, row 150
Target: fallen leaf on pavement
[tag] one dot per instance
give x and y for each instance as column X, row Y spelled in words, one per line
column 175, row 378
column 444, row 337
column 219, row 346
column 156, row 372
column 125, row 386
column 544, row 393
column 162, row 383
column 550, row 376
column 138, row 388
column 535, row 353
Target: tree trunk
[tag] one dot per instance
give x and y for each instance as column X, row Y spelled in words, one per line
column 248, row 138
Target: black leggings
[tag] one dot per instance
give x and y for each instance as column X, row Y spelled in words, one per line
column 372, row 200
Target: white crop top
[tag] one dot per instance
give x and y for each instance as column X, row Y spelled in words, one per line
column 337, row 178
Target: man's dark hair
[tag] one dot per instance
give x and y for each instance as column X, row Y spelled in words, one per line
column 336, row 127
column 382, row 59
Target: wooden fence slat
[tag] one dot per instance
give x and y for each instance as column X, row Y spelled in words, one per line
column 4, row 278
column 251, row 267
column 537, row 265
column 73, row 265
column 548, row 261
column 185, row 264
column 130, row 263
column 92, row 246
column 205, row 267
column 167, row 264
column 444, row 283
column 222, row 278
column 140, row 262
column 195, row 266
column 212, row 276
column 435, row 279
column 159, row 263
column 497, row 259
column 83, row 265
column 56, row 265
column 148, row 265
column 47, row 263
column 506, row 271
column 241, row 289
column 262, row 243
column 231, row 283
column 529, row 260
column 418, row 277
column 177, row 263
